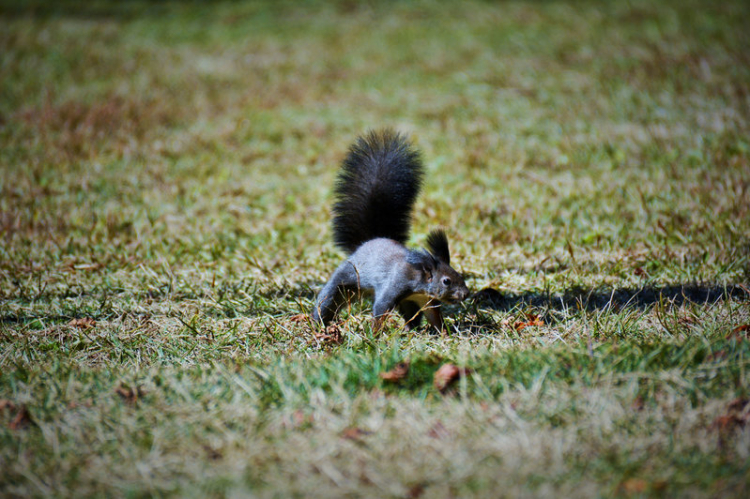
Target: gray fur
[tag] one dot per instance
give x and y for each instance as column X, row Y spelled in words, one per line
column 412, row 281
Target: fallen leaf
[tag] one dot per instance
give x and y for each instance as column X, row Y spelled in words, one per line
column 22, row 419
column 634, row 486
column 639, row 272
column 737, row 416
column 332, row 334
column 398, row 373
column 211, row 453
column 438, row 430
column 302, row 420
column 83, row 323
column 531, row 320
column 447, row 374
column 6, row 404
column 415, row 491
column 727, row 423
column 353, row 433
column 740, row 332
column 130, row 395
column 638, row 404
column 299, row 318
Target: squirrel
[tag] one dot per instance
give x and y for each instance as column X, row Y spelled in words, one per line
column 375, row 191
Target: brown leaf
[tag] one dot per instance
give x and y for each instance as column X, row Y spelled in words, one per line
column 22, row 419
column 634, row 486
column 531, row 320
column 399, row 372
column 447, row 374
column 638, row 271
column 302, row 420
column 740, row 332
column 299, row 318
column 6, row 404
column 130, row 395
column 211, row 453
column 353, row 433
column 725, row 426
column 438, row 430
column 737, row 416
column 82, row 323
column 638, row 404
column 415, row 491
column 332, row 334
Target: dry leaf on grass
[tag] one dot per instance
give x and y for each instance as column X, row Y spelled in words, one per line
column 399, row 372
column 354, row 433
column 6, row 404
column 22, row 419
column 332, row 334
column 639, row 272
column 86, row 403
column 83, row 323
column 728, row 422
column 129, row 395
column 737, row 416
column 211, row 453
column 438, row 430
column 299, row 419
column 415, row 491
column 531, row 320
column 638, row 403
column 447, row 374
column 633, row 486
column 740, row 332
column 297, row 318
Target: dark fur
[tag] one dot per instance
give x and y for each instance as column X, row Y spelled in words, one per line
column 377, row 186
column 437, row 244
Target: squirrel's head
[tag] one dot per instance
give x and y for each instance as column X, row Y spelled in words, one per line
column 441, row 281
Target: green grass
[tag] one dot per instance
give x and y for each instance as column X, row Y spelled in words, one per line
column 167, row 171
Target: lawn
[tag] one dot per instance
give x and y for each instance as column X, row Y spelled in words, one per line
column 165, row 195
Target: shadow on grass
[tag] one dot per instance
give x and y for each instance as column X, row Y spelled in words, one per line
column 593, row 300
column 600, row 299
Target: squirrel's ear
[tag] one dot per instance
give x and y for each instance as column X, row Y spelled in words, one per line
column 422, row 261
column 437, row 244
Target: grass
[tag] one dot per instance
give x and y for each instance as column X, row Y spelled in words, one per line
column 165, row 207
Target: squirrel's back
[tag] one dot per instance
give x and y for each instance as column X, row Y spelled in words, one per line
column 377, row 186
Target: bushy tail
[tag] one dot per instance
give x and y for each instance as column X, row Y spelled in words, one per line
column 377, row 186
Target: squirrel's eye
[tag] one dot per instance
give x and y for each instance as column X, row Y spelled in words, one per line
column 446, row 281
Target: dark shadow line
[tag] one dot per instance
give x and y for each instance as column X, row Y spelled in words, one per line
column 614, row 298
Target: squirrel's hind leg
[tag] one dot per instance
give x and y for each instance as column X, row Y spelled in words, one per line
column 337, row 290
